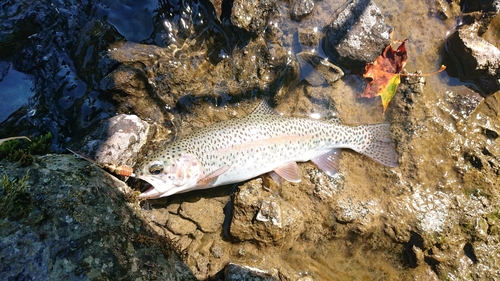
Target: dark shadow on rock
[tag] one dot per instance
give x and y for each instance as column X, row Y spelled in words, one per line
column 468, row 55
column 410, row 257
column 76, row 224
column 469, row 252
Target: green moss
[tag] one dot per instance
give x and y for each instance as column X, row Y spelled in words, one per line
column 477, row 191
column 40, row 145
column 16, row 200
column 22, row 151
column 439, row 238
column 466, row 228
column 493, row 217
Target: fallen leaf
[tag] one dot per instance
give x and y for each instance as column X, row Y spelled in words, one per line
column 384, row 72
column 390, row 91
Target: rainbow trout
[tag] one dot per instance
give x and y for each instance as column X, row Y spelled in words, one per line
column 240, row 149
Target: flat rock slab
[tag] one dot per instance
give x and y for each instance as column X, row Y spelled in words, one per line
column 207, row 214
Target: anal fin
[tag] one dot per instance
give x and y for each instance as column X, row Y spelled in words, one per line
column 328, row 162
column 289, row 171
column 277, row 178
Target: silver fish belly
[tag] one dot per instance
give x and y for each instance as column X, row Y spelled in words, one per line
column 240, row 149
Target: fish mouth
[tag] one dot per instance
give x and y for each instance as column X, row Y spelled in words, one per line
column 158, row 188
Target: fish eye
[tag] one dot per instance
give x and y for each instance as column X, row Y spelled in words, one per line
column 156, row 168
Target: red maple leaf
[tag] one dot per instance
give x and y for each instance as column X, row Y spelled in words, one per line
column 384, row 72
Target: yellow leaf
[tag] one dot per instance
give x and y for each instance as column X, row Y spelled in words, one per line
column 390, row 90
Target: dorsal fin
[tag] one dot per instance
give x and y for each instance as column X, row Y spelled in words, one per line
column 335, row 120
column 264, row 108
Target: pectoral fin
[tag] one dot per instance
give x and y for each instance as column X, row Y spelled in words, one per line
column 289, row 171
column 210, row 178
column 328, row 162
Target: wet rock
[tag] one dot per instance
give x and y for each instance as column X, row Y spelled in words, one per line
column 301, row 8
column 476, row 59
column 357, row 35
column 432, row 210
column 309, row 36
column 180, row 226
column 131, row 86
column 116, row 141
column 482, row 12
column 61, row 63
column 326, row 187
column 129, row 80
column 207, row 214
column 253, row 15
column 183, row 242
column 233, row 272
column 316, row 70
column 71, row 221
column 484, row 155
column 96, row 37
column 463, row 101
column 178, row 79
column 260, row 216
column 159, row 220
column 483, row 253
column 218, row 7
column 178, row 22
column 216, row 250
column 450, row 225
column 443, row 9
column 481, row 229
column 201, row 262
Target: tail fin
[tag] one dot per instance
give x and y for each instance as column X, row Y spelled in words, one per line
column 379, row 146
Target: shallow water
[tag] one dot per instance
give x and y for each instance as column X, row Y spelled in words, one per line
column 427, row 195
column 352, row 238
column 16, row 89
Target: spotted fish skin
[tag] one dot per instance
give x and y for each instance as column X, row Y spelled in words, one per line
column 240, row 149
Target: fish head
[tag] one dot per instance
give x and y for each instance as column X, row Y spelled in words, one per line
column 170, row 175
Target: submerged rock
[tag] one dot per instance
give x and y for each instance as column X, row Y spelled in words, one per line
column 260, row 216
column 233, row 272
column 65, row 219
column 301, row 8
column 316, row 70
column 452, row 200
column 309, row 36
column 208, row 218
column 463, row 101
column 357, row 35
column 253, row 15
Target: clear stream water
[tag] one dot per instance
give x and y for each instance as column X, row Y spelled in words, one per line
column 426, row 30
